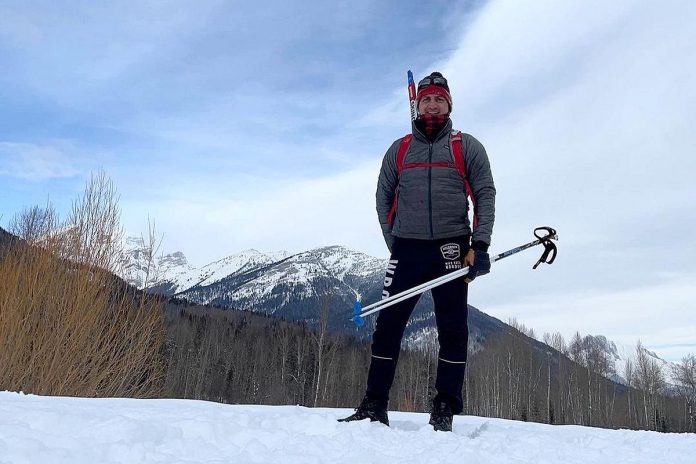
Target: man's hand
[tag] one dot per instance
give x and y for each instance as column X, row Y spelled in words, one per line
column 479, row 263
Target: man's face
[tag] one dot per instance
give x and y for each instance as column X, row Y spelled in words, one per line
column 433, row 104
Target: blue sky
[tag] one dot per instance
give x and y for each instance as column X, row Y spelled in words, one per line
column 183, row 101
column 236, row 127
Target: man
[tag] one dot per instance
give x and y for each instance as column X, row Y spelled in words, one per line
column 423, row 210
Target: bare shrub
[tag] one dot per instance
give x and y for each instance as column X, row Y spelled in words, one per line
column 68, row 326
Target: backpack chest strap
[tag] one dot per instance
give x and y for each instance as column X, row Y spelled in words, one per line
column 457, row 148
column 457, row 156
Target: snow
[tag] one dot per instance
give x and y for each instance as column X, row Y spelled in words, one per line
column 37, row 429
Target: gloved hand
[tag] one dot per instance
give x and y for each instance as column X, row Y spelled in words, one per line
column 479, row 264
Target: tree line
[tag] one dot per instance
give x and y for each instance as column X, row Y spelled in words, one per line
column 241, row 357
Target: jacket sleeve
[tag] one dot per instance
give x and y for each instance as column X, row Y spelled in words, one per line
column 386, row 191
column 480, row 179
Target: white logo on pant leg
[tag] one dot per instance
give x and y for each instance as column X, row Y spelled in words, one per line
column 451, row 252
column 391, row 267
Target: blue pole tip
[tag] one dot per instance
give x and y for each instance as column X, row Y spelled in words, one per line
column 357, row 318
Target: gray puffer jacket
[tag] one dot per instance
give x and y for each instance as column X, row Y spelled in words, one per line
column 432, row 201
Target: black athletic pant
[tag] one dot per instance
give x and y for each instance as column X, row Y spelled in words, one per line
column 414, row 262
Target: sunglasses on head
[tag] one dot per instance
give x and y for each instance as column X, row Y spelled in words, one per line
column 432, row 80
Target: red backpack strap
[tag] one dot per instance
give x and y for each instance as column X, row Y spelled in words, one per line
column 400, row 158
column 460, row 164
column 458, row 155
column 401, row 154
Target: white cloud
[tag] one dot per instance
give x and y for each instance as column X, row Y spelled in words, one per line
column 585, row 109
column 35, row 162
column 293, row 215
column 661, row 314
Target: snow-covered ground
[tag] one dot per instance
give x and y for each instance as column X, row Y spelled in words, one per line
column 47, row 430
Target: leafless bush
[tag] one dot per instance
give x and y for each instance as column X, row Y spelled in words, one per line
column 68, row 326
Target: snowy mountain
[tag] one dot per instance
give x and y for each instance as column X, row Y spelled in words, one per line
column 140, row 268
column 178, row 279
column 610, row 358
column 170, row 274
column 304, row 275
column 300, row 287
column 297, row 287
column 294, row 287
column 37, row 429
column 627, row 353
column 260, row 272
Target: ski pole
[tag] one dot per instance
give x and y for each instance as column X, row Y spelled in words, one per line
column 548, row 257
column 450, row 276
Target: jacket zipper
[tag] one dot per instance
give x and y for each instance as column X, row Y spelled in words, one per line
column 430, row 189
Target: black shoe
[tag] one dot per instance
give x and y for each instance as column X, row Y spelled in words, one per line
column 441, row 417
column 374, row 410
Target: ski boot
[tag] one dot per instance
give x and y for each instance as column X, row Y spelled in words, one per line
column 441, row 417
column 375, row 410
